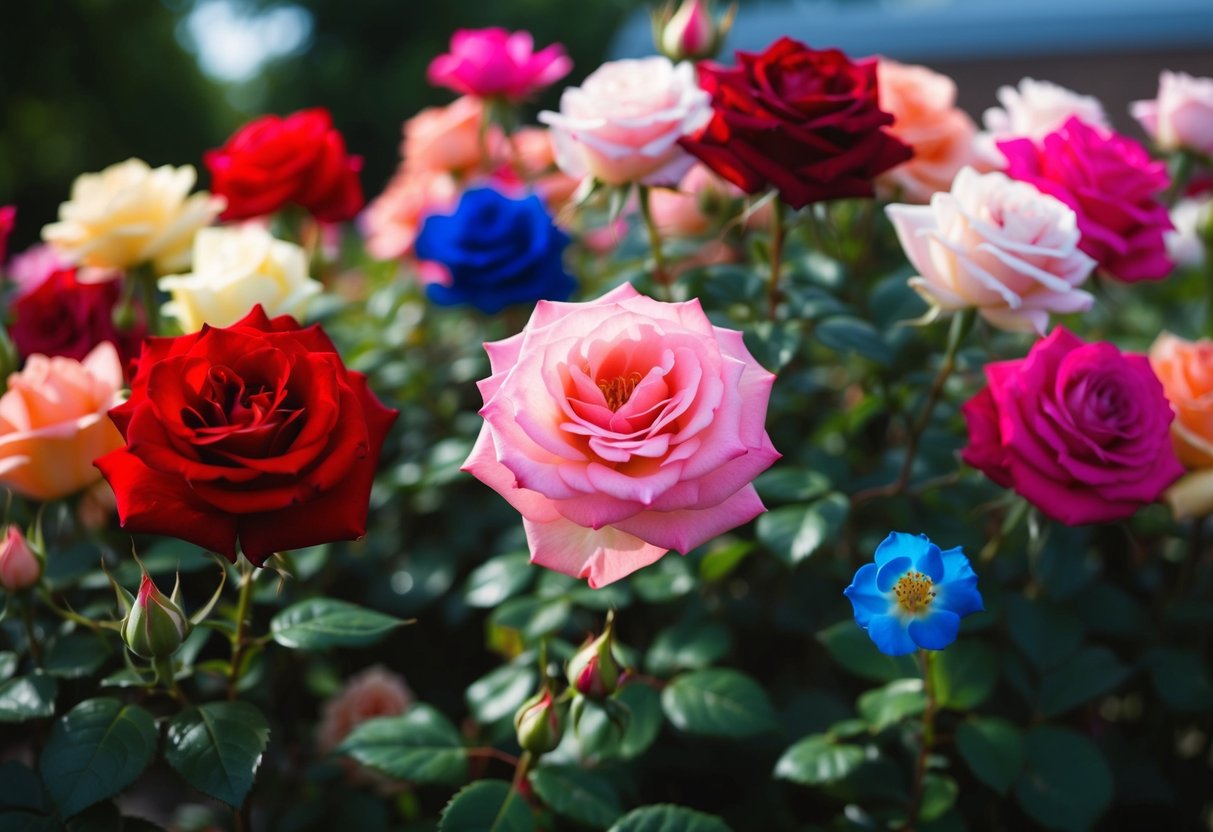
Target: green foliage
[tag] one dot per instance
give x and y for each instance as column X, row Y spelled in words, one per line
column 668, row 819
column 487, row 806
column 326, row 622
column 718, row 702
column 217, row 748
column 818, row 760
column 579, row 795
column 421, row 746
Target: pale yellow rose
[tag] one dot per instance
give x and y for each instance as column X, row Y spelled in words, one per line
column 235, row 269
column 53, row 422
column 130, row 214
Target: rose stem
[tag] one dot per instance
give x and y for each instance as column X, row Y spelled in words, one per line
column 928, row 740
column 247, row 571
column 27, row 614
column 659, row 271
column 524, row 765
column 961, row 324
column 145, row 276
column 1181, row 172
column 776, row 256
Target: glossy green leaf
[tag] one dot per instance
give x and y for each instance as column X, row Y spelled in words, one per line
column 1181, row 678
column 421, row 746
column 497, row 580
column 666, row 818
column 28, row 697
column 320, row 623
column 487, row 806
column 217, row 748
column 854, row 335
column 889, row 705
column 1047, row 634
column 993, row 749
column 794, row 533
column 533, row 617
column 939, row 794
column 852, row 648
column 499, row 693
column 8, row 664
column 689, row 645
column 75, row 655
column 718, row 702
column 577, row 794
column 1091, row 672
column 1066, row 783
column 817, row 760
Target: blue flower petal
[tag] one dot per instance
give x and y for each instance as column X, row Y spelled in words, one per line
column 890, row 573
column 900, row 545
column 930, row 563
column 936, row 630
column 866, row 600
column 888, row 633
column 956, row 565
column 960, row 596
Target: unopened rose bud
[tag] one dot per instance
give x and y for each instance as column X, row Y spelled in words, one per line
column 593, row 671
column 20, row 568
column 539, row 723
column 155, row 626
column 692, row 33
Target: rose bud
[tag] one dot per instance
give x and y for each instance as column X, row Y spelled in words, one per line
column 20, row 568
column 692, row 33
column 539, row 723
column 155, row 625
column 594, row 671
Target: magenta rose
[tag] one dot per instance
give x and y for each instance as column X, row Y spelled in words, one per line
column 494, row 63
column 1113, row 186
column 1082, row 431
column 623, row 428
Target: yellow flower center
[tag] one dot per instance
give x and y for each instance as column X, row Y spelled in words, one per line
column 914, row 592
column 618, row 390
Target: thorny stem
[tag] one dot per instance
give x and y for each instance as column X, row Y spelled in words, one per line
column 239, row 640
column 776, row 256
column 659, row 269
column 928, row 741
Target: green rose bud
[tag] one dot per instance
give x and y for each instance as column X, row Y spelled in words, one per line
column 155, row 625
column 539, row 723
column 594, row 671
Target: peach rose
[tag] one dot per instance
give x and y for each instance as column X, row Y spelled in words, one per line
column 689, row 211
column 536, row 161
column 1185, row 369
column 392, row 220
column 374, row 692
column 448, row 138
column 925, row 117
column 53, row 422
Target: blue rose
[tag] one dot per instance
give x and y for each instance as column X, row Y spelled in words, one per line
column 498, row 251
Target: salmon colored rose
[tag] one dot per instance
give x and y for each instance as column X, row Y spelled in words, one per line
column 1185, row 369
column 623, row 428
column 254, row 432
column 394, row 218
column 53, row 423
column 448, row 139
column 374, row 692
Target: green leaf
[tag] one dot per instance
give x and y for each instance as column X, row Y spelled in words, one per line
column 8, row 664
column 1047, row 634
column 718, row 702
column 421, row 746
column 498, row 580
column 21, row 820
column 644, row 723
column 217, row 747
column 847, row 335
column 1066, row 783
column 993, row 749
column 487, row 806
column 500, row 692
column 666, row 580
column 817, row 760
column 28, row 697
column 791, row 485
column 76, row 655
column 96, row 750
column 1091, row 672
column 721, row 560
column 320, row 623
column 889, row 705
column 852, row 648
column 689, row 645
column 964, row 674
column 794, row 533
column 20, row 788
column 534, row 618
column 1180, row 677
column 578, row 795
column 666, row 818
column 939, row 793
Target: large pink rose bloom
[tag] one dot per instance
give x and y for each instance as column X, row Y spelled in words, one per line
column 1113, row 186
column 494, row 63
column 623, row 123
column 1082, row 431
column 1182, row 114
column 623, row 428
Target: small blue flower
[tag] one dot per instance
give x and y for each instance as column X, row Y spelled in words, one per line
column 498, row 251
column 914, row 595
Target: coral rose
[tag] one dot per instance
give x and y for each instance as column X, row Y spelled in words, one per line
column 1082, row 431
column 494, row 63
column 925, row 117
column 53, row 423
column 130, row 214
column 1185, row 369
column 392, row 221
column 255, row 431
column 535, row 159
column 1181, row 117
column 623, row 428
column 448, row 138
column 623, row 123
column 374, row 692
column 998, row 246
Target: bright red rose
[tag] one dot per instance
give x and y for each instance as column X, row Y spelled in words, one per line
column 255, row 431
column 801, row 120
column 63, row 315
column 274, row 161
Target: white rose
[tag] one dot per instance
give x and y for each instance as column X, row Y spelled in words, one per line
column 129, row 214
column 235, row 269
column 1033, row 110
column 996, row 245
column 1190, row 217
column 1182, row 115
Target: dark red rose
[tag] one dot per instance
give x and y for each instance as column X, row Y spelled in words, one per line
column 801, row 120
column 273, row 162
column 63, row 315
column 255, row 431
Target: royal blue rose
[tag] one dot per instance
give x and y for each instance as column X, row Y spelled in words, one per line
column 497, row 251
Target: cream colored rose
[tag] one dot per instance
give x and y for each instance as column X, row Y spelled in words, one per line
column 998, row 246
column 130, row 214
column 235, row 269
column 1032, row 110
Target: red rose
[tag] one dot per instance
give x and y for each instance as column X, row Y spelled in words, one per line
column 255, row 431
column 274, row 161
column 797, row 119
column 63, row 315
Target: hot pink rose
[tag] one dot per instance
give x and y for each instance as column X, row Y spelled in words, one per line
column 492, row 63
column 623, row 428
column 1113, row 186
column 8, row 218
column 1182, row 114
column 1082, row 431
column 623, row 123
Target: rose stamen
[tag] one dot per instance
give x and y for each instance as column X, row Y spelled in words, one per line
column 914, row 592
column 618, row 390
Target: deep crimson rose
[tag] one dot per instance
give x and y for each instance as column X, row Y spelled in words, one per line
column 801, row 120
column 1081, row 430
column 64, row 315
column 274, row 161
column 255, row 431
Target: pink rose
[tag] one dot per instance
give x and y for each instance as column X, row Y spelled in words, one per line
column 998, row 246
column 925, row 116
column 494, row 63
column 391, row 222
column 1113, row 186
column 1032, row 110
column 535, row 159
column 374, row 692
column 623, row 428
column 702, row 197
column 8, row 218
column 623, row 123
column 1082, row 431
column 1182, row 114
column 448, row 139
